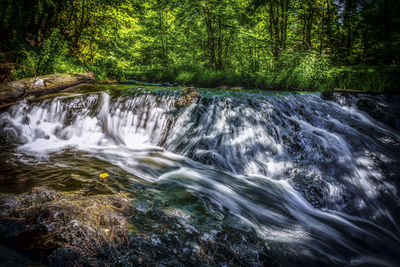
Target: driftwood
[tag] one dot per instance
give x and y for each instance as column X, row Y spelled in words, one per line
column 16, row 90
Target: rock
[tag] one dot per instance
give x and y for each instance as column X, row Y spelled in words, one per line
column 109, row 81
column 314, row 190
column 341, row 98
column 167, row 84
column 109, row 230
column 365, row 104
column 50, row 221
column 188, row 96
column 9, row 257
column 236, row 88
column 376, row 110
column 223, row 87
column 13, row 91
column 327, row 95
column 210, row 158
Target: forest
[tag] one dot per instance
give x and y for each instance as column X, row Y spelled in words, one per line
column 265, row 44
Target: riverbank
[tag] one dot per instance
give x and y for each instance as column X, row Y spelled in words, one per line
column 371, row 79
column 34, row 87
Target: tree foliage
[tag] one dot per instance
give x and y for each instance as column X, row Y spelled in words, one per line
column 179, row 38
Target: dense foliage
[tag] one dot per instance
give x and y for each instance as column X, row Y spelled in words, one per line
column 279, row 44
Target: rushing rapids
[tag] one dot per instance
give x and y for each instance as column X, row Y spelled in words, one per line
column 313, row 178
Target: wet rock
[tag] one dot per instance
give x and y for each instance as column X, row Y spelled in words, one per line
column 12, row 135
column 41, row 134
column 327, row 95
column 188, row 95
column 9, row 257
column 314, row 190
column 209, row 158
column 52, row 220
column 293, row 144
column 373, row 109
column 167, row 84
column 384, row 108
column 236, row 88
column 69, row 228
column 337, row 97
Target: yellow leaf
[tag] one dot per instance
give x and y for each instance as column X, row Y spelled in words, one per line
column 140, row 260
column 74, row 175
column 103, row 175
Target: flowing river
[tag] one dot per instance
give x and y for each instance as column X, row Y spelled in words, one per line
column 314, row 179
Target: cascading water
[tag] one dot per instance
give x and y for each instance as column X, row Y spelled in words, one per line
column 313, row 178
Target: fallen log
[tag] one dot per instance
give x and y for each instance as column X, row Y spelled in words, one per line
column 16, row 90
column 343, row 90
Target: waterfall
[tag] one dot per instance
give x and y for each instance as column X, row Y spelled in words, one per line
column 317, row 176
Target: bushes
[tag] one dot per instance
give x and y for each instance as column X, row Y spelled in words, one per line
column 107, row 67
column 54, row 56
column 364, row 78
column 184, row 77
column 308, row 73
column 293, row 70
column 51, row 57
column 300, row 70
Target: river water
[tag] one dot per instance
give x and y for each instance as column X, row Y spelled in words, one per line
column 313, row 178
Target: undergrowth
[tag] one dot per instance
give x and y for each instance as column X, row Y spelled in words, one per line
column 304, row 71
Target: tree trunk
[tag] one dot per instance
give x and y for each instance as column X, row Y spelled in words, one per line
column 220, row 43
column 209, row 21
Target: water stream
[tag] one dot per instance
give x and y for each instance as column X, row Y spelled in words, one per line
column 313, row 178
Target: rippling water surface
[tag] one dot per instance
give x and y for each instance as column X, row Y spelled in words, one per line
column 314, row 178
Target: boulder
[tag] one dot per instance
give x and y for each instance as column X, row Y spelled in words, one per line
column 13, row 91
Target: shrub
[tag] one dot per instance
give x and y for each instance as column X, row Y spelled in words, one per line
column 301, row 70
column 51, row 57
column 184, row 77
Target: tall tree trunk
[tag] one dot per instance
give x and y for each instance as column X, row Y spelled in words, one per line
column 3, row 14
column 321, row 37
column 220, row 44
column 209, row 21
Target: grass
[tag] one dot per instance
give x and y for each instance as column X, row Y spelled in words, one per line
column 364, row 78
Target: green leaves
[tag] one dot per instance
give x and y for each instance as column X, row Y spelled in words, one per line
column 273, row 43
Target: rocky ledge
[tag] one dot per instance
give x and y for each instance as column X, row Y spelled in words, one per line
column 44, row 227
